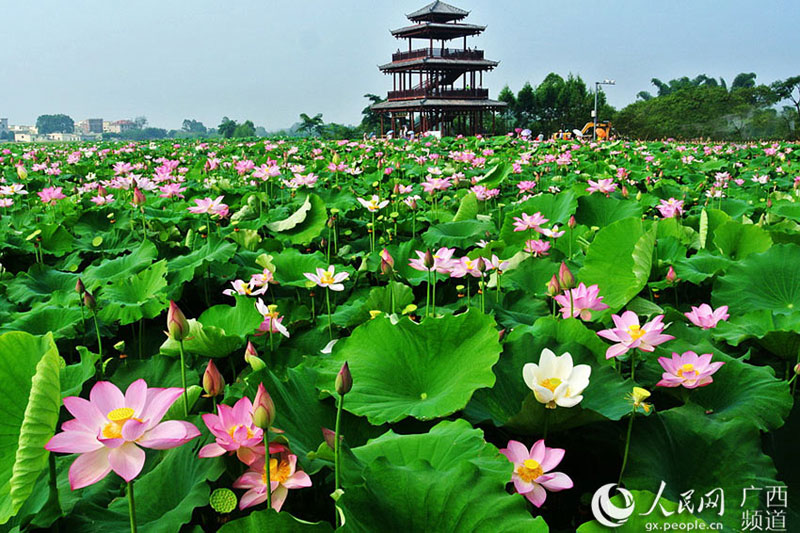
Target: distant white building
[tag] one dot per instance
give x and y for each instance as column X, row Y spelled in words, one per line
column 90, row 125
column 118, row 126
column 63, row 137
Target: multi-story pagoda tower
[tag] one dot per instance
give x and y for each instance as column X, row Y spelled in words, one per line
column 435, row 87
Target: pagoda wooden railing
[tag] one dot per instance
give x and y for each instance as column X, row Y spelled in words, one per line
column 460, row 94
column 442, row 53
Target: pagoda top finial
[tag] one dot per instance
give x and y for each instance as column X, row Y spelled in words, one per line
column 438, row 11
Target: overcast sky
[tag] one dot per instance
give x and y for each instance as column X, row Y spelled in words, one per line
column 269, row 61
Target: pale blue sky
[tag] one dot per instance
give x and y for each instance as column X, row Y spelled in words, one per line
column 271, row 60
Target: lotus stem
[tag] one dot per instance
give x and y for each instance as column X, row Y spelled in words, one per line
column 330, row 322
column 183, row 380
column 53, row 483
column 336, row 454
column 627, row 447
column 131, row 507
column 97, row 331
column 633, row 365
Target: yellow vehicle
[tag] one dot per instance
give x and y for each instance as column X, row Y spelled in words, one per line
column 603, row 132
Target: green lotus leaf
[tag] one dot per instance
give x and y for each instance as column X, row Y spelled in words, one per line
column 496, row 175
column 737, row 241
column 626, row 249
column 779, row 334
column 556, row 208
column 74, row 376
column 701, row 266
column 425, row 370
column 239, row 320
column 162, row 504
column 42, row 283
column 391, row 298
column 157, row 371
column 56, row 240
column 290, row 265
column 207, row 341
column 690, row 451
column 312, row 224
column 293, row 220
column 467, row 209
column 463, row 234
column 447, row 444
column 139, row 296
column 597, row 210
column 29, row 372
column 44, row 318
column 763, row 281
column 269, row 520
column 417, row 497
column 184, row 267
column 120, row 267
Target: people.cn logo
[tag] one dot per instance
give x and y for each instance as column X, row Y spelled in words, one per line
column 608, row 514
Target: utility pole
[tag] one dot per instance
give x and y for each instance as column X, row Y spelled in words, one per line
column 597, row 85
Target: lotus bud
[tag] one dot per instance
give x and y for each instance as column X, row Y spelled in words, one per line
column 177, row 325
column 102, row 191
column 139, row 198
column 263, row 408
column 571, row 223
column 386, row 256
column 251, row 358
column 428, row 260
column 329, row 436
column 797, row 369
column 671, row 276
column 213, row 382
column 624, row 191
column 481, row 266
column 22, row 172
column 565, row 278
column 89, row 301
column 396, row 189
column 553, row 288
column 79, row 287
column 769, row 203
column 501, row 334
column 344, row 381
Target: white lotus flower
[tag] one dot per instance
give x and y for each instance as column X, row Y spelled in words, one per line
column 555, row 381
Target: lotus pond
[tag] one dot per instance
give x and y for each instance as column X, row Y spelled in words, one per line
column 467, row 334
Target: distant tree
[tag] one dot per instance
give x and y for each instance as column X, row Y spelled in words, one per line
column 194, row 126
column 312, row 125
column 227, row 127
column 245, row 129
column 339, row 131
column 744, row 80
column 55, row 124
column 261, row 131
column 371, row 120
column 507, row 95
column 140, row 122
column 644, row 95
column 525, row 106
column 785, row 90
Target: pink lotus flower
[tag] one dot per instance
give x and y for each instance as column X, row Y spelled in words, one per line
column 689, row 370
column 465, row 265
column 109, row 428
column 210, row 206
column 326, row 278
column 532, row 475
column 442, row 261
column 706, row 317
column 283, row 475
column 49, row 195
column 628, row 334
column 584, row 301
column 235, row 432
column 102, row 200
column 527, row 222
column 670, row 208
column 605, row 186
column 171, row 190
column 537, row 247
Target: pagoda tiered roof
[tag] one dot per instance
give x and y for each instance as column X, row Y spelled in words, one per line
column 438, row 12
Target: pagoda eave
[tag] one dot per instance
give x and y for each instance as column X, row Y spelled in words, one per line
column 437, row 63
column 438, row 31
column 438, row 103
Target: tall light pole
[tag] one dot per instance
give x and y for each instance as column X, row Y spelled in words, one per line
column 597, row 85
